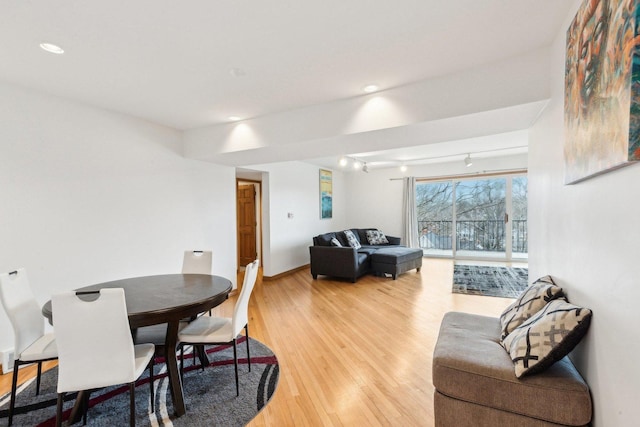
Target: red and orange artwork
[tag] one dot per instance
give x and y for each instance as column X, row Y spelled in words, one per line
column 602, row 87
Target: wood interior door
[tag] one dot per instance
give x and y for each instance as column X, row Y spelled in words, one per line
column 246, row 197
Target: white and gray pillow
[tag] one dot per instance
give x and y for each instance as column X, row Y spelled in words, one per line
column 376, row 237
column 530, row 301
column 336, row 242
column 546, row 337
column 352, row 239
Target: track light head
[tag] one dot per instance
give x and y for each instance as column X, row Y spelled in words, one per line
column 467, row 161
column 365, row 168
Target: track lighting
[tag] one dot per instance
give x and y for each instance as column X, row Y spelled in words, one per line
column 467, row 161
column 355, row 163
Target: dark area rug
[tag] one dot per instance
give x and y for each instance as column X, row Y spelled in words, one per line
column 210, row 395
column 506, row 282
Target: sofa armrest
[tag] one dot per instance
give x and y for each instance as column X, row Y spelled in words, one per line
column 334, row 261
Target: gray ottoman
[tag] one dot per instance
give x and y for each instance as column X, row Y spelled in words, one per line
column 396, row 260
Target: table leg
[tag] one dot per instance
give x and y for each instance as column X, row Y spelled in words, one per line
column 80, row 407
column 172, row 367
column 202, row 355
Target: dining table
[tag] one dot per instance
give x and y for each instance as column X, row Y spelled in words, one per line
column 165, row 299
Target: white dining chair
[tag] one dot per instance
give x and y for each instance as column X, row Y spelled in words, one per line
column 223, row 330
column 196, row 262
column 31, row 344
column 95, row 347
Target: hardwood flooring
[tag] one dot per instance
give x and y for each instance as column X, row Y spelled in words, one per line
column 352, row 354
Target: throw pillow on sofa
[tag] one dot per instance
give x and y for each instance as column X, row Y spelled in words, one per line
column 352, row 239
column 376, row 237
column 546, row 337
column 530, row 301
column 336, row 242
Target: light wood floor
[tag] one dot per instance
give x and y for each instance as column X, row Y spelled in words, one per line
column 352, row 354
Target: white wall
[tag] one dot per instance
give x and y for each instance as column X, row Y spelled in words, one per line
column 375, row 198
column 90, row 196
column 293, row 187
column 586, row 236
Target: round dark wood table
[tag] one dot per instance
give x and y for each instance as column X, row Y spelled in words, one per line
column 165, row 299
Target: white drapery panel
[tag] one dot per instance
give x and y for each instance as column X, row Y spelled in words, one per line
column 409, row 216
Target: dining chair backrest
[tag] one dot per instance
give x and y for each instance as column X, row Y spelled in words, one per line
column 196, row 262
column 22, row 309
column 240, row 311
column 95, row 348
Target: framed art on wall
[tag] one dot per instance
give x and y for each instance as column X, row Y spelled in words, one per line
column 601, row 102
column 326, row 194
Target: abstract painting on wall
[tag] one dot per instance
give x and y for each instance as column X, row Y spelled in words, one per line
column 326, row 194
column 602, row 89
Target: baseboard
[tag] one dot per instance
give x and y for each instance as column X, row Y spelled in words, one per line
column 286, row 273
column 6, row 360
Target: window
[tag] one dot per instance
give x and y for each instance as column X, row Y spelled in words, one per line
column 472, row 218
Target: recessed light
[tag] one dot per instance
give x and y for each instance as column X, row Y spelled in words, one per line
column 49, row 47
column 370, row 88
column 234, row 118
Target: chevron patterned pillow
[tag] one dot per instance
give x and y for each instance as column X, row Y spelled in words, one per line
column 546, row 337
column 534, row 298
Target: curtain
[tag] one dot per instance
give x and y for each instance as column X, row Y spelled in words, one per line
column 409, row 216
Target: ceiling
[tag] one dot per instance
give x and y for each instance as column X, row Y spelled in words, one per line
column 193, row 64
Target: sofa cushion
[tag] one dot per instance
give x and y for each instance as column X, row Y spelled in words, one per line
column 530, row 301
column 470, row 365
column 369, row 250
column 352, row 239
column 324, row 239
column 547, row 337
column 376, row 237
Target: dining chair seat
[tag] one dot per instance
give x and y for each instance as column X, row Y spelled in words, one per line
column 43, row 348
column 208, row 329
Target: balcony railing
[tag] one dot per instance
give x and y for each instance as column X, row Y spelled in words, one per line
column 473, row 235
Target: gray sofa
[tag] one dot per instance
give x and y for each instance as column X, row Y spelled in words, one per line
column 475, row 384
column 350, row 263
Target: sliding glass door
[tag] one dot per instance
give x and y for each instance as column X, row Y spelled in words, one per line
column 434, row 204
column 474, row 218
column 480, row 218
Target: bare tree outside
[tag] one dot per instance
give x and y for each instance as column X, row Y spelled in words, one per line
column 480, row 210
column 480, row 214
column 434, row 204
